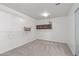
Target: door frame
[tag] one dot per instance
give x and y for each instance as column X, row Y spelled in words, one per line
column 77, row 9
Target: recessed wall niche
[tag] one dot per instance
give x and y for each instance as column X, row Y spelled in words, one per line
column 44, row 26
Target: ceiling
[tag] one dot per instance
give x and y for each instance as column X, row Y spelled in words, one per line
column 35, row 9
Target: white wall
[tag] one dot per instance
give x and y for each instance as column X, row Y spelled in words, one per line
column 71, row 41
column 60, row 31
column 12, row 32
column 13, row 35
column 63, row 30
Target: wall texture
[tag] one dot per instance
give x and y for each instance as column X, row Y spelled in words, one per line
column 12, row 32
column 59, row 31
column 71, row 41
column 13, row 35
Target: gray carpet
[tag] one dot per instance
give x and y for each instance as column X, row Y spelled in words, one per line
column 40, row 48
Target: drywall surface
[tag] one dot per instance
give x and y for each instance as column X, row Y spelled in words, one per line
column 13, row 35
column 71, row 41
column 12, row 32
column 59, row 31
